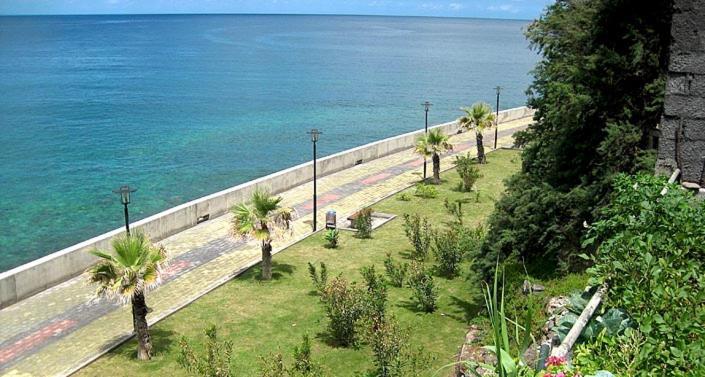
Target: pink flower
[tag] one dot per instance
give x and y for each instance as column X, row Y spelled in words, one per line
column 547, row 375
column 556, row 361
column 560, row 374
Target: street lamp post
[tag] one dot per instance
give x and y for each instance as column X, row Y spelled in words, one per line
column 314, row 139
column 426, row 105
column 125, row 192
column 496, row 118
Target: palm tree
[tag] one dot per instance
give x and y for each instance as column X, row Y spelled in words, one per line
column 478, row 117
column 127, row 274
column 262, row 219
column 432, row 145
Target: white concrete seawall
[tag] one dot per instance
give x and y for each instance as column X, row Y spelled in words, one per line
column 28, row 279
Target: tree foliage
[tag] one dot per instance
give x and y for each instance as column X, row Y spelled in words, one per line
column 598, row 91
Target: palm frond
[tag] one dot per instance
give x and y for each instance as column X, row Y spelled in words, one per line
column 134, row 265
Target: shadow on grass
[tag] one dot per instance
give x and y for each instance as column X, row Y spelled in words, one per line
column 330, row 341
column 162, row 342
column 469, row 309
column 279, row 270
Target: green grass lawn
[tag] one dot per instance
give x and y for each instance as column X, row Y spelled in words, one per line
column 262, row 317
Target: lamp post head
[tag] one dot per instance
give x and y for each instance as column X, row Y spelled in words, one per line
column 498, row 89
column 314, row 134
column 427, row 105
column 125, row 192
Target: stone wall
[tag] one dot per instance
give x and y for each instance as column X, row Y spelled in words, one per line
column 682, row 137
column 33, row 277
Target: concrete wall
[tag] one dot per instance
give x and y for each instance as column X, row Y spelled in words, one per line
column 682, row 139
column 33, row 277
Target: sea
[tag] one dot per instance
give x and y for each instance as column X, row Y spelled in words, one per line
column 181, row 106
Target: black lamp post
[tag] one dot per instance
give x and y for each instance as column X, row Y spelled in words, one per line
column 125, row 192
column 426, row 105
column 496, row 118
column 314, row 139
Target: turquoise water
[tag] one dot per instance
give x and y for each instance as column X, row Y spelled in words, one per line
column 183, row 106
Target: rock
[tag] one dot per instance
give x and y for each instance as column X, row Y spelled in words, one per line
column 691, row 186
column 556, row 305
column 528, row 288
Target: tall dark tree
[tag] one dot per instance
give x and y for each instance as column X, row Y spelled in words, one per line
column 598, row 92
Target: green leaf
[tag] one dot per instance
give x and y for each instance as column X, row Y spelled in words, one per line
column 509, row 365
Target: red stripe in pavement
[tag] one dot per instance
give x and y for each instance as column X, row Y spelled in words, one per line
column 175, row 268
column 32, row 340
column 323, row 200
column 415, row 164
column 375, row 178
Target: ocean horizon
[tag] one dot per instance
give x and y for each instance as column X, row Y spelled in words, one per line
column 182, row 106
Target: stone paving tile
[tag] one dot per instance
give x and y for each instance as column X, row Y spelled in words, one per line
column 62, row 328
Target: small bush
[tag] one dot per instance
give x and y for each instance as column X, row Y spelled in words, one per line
column 273, row 365
column 376, row 292
column 396, row 273
column 392, row 354
column 470, row 239
column 404, row 197
column 303, row 364
column 455, row 208
column 331, row 237
column 215, row 362
column 345, row 305
column 423, row 288
column 468, row 171
column 363, row 223
column 449, row 252
column 320, row 280
column 426, row 191
column 418, row 231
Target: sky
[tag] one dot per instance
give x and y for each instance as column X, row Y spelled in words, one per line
column 512, row 9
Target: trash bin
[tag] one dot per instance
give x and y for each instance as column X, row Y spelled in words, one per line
column 330, row 220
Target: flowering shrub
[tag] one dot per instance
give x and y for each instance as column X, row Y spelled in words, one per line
column 557, row 366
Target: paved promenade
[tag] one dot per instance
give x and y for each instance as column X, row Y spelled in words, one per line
column 59, row 330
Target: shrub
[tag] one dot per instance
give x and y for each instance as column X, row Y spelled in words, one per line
column 448, row 251
column 303, row 364
column 423, row 288
column 273, row 365
column 470, row 239
column 404, row 197
column 455, row 208
column 320, row 280
column 363, row 223
column 418, row 231
column 331, row 238
column 396, row 273
column 376, row 292
column 609, row 352
column 652, row 255
column 345, row 305
column 392, row 354
column 426, row 191
column 215, row 362
column 468, row 171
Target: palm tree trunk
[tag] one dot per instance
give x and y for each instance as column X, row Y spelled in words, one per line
column 436, row 168
column 480, row 148
column 266, row 260
column 139, row 320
